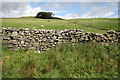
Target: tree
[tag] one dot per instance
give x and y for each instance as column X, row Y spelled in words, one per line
column 44, row 15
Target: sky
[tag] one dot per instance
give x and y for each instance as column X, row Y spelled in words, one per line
column 65, row 10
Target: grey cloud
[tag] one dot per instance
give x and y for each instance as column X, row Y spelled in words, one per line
column 12, row 8
column 8, row 6
column 18, row 9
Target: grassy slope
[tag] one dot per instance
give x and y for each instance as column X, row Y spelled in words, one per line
column 98, row 23
column 88, row 25
column 65, row 61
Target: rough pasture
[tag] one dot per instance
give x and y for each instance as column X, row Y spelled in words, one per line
column 88, row 25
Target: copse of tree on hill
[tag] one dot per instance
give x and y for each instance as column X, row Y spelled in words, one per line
column 46, row 15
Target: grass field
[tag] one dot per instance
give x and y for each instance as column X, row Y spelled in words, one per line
column 64, row 61
column 88, row 60
column 88, row 25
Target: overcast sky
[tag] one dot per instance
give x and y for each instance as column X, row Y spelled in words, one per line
column 66, row 10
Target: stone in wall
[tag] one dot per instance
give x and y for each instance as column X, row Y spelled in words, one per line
column 41, row 40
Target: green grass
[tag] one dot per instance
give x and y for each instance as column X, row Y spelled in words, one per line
column 88, row 25
column 64, row 61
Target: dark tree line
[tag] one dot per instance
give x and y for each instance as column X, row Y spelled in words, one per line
column 46, row 15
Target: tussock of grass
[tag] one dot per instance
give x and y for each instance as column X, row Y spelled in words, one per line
column 64, row 61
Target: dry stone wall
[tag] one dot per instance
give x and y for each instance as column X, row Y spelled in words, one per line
column 41, row 40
